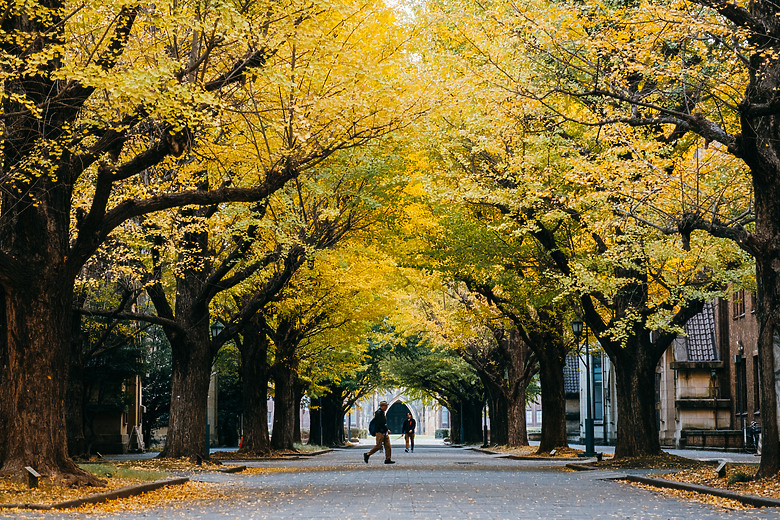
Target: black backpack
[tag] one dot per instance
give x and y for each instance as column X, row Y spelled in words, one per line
column 372, row 427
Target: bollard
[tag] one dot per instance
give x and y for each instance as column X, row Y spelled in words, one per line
column 721, row 469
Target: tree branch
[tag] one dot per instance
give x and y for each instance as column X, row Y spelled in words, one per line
column 136, row 316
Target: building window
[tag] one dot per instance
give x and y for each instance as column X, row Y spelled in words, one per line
column 738, row 304
column 741, row 370
column 529, row 416
column 598, row 390
column 538, row 417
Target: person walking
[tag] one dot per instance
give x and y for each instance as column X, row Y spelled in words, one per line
column 382, row 434
column 408, row 429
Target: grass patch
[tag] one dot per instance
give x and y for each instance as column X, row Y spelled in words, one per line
column 112, row 471
column 309, row 447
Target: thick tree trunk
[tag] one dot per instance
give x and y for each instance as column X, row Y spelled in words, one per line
column 455, row 416
column 32, row 389
column 517, row 431
column 191, row 361
column 553, row 401
column 635, row 387
column 298, row 397
column 327, row 420
column 472, row 421
column 498, row 408
column 519, row 374
column 191, row 348
column 767, row 195
column 255, row 373
column 285, row 407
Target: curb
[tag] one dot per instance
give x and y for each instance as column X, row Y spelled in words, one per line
column 124, row 492
column 233, row 469
column 536, row 457
column 751, row 500
column 483, row 450
column 258, row 459
column 313, row 453
column 581, row 466
column 523, row 457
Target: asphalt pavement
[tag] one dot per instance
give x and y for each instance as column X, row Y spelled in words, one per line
column 434, row 482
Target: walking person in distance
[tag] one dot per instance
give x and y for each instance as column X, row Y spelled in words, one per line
column 379, row 426
column 408, row 430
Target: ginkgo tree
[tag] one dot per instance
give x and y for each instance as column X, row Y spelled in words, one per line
column 105, row 106
column 342, row 363
column 510, row 276
column 568, row 188
column 697, row 74
column 339, row 205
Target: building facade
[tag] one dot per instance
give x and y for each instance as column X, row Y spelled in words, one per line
column 738, row 325
column 430, row 417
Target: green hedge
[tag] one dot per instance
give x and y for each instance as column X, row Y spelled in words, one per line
column 360, row 433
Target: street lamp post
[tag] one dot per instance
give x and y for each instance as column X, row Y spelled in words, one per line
column 578, row 327
column 484, row 427
column 462, row 431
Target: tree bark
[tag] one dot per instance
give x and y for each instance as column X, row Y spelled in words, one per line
column 472, row 421
column 327, row 421
column 520, row 370
column 636, row 410
column 192, row 351
column 498, row 408
column 506, row 375
column 517, row 430
column 551, row 380
column 282, row 437
column 767, row 196
column 32, row 408
column 455, row 417
column 255, row 374
column 191, row 361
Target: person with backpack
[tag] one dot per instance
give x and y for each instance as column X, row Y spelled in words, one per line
column 378, row 427
column 408, row 429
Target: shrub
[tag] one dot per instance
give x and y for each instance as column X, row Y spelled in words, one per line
column 441, row 433
column 360, row 433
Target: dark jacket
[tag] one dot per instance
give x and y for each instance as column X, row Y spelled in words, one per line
column 409, row 426
column 380, row 421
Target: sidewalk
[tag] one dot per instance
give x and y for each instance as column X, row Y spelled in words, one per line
column 728, row 456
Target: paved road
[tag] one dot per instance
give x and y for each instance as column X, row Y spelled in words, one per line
column 435, row 482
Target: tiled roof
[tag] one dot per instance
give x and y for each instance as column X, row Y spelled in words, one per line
column 700, row 341
column 571, row 375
